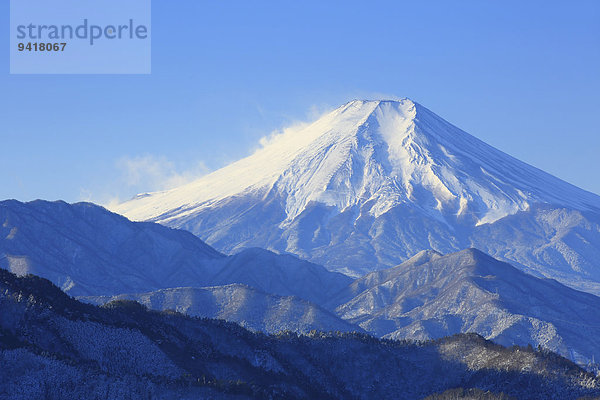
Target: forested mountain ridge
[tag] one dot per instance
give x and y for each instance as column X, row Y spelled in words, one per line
column 55, row 347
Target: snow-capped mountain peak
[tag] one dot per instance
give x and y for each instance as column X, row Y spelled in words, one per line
column 375, row 155
column 368, row 185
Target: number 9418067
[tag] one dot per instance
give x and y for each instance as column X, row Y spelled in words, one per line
column 41, row 46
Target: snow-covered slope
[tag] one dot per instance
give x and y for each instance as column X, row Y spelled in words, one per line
column 251, row 308
column 370, row 184
column 431, row 296
column 89, row 251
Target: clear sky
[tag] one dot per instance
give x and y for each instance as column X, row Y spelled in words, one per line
column 523, row 76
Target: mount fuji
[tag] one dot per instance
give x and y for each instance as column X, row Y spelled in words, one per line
column 372, row 183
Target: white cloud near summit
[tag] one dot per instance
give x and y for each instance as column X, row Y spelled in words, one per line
column 156, row 172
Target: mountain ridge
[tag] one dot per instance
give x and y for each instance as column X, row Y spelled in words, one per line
column 252, row 308
column 433, row 295
column 87, row 250
column 52, row 346
column 427, row 296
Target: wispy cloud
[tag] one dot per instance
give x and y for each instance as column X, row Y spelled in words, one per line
column 292, row 128
column 156, row 172
column 277, row 134
column 140, row 174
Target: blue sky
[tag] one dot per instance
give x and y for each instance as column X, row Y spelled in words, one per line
column 522, row 76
